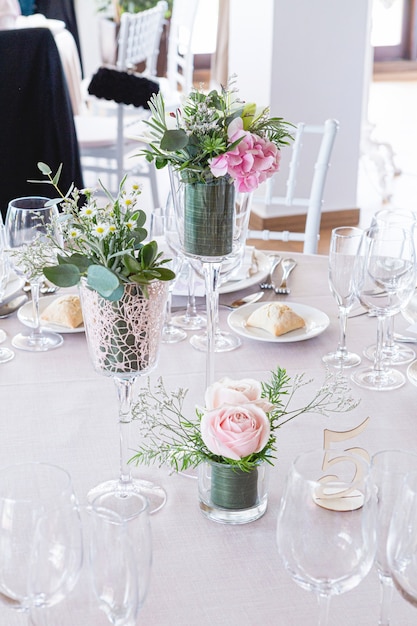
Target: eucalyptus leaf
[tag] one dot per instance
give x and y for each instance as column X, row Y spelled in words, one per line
column 102, row 280
column 174, row 140
column 63, row 275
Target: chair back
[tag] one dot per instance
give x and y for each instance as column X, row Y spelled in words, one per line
column 139, row 38
column 314, row 201
column 180, row 53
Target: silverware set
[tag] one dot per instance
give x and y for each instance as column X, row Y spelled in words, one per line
column 287, row 266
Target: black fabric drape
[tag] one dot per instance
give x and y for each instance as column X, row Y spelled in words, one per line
column 61, row 10
column 36, row 120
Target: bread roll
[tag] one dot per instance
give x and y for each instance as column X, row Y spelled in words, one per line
column 64, row 311
column 275, row 318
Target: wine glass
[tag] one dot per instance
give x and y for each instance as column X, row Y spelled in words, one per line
column 326, row 524
column 159, row 231
column 385, row 277
column 344, row 246
column 401, row 544
column 397, row 354
column 28, row 220
column 5, row 353
column 120, row 527
column 40, row 537
column 388, row 469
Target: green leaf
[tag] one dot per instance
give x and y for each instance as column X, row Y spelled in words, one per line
column 55, row 179
column 102, row 280
column 174, row 140
column 63, row 275
column 44, row 168
column 80, row 261
column 165, row 273
column 116, row 294
column 149, row 253
column 131, row 264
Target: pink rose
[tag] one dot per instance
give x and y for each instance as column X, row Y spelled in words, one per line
column 233, row 392
column 235, row 432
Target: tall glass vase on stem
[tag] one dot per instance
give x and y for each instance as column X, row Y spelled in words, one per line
column 212, row 221
column 123, row 338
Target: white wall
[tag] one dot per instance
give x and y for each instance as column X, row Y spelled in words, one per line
column 311, row 60
column 88, row 32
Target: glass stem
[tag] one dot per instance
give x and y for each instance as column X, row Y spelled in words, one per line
column 378, row 360
column 36, row 330
column 324, row 605
column 211, row 277
column 387, row 589
column 341, row 347
column 124, row 387
column 389, row 332
column 191, row 311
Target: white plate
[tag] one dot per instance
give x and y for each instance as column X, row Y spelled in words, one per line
column 264, row 264
column 25, row 316
column 412, row 373
column 316, row 322
column 14, row 284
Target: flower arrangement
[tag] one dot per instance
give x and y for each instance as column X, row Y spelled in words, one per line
column 214, row 135
column 238, row 424
column 104, row 243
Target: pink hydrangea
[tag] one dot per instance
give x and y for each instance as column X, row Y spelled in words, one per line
column 251, row 162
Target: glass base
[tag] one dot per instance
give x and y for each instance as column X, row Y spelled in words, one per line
column 395, row 355
column 379, row 380
column 171, row 334
column 6, row 355
column 40, row 343
column 234, row 516
column 155, row 494
column 3, row 336
column 223, row 342
column 341, row 360
column 189, row 322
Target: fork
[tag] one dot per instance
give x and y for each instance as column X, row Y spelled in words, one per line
column 268, row 282
column 287, row 267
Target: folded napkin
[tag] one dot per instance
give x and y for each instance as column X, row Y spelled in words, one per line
column 247, row 268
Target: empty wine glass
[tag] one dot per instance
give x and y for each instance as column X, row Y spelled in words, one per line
column 121, row 527
column 344, row 246
column 388, row 469
column 27, row 221
column 326, row 524
column 5, row 353
column 190, row 319
column 397, row 354
column 385, row 278
column 401, row 545
column 40, row 537
column 161, row 232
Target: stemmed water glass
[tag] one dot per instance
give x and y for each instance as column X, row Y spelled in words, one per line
column 385, row 277
column 5, row 353
column 40, row 538
column 388, row 469
column 120, row 527
column 326, row 525
column 28, row 220
column 401, row 544
column 344, row 246
column 164, row 233
column 396, row 354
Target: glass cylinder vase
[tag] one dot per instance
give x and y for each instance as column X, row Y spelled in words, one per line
column 230, row 495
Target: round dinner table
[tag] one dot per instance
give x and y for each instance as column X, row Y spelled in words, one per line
column 56, row 408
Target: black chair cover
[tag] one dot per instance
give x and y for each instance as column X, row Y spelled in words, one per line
column 36, row 120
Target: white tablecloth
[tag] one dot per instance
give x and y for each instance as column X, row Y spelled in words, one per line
column 54, row 407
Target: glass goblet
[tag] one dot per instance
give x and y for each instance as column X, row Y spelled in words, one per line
column 396, row 353
column 326, row 527
column 190, row 319
column 120, row 526
column 344, row 246
column 401, row 544
column 388, row 469
column 385, row 277
column 5, row 353
column 28, row 220
column 40, row 535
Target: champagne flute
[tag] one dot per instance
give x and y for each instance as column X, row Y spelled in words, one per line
column 160, row 232
column 120, row 526
column 401, row 544
column 344, row 246
column 388, row 469
column 28, row 220
column 40, row 536
column 5, row 353
column 385, row 278
column 326, row 524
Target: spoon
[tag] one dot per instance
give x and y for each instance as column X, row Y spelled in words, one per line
column 12, row 306
column 287, row 267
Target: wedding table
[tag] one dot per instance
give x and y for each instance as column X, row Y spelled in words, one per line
column 55, row 408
